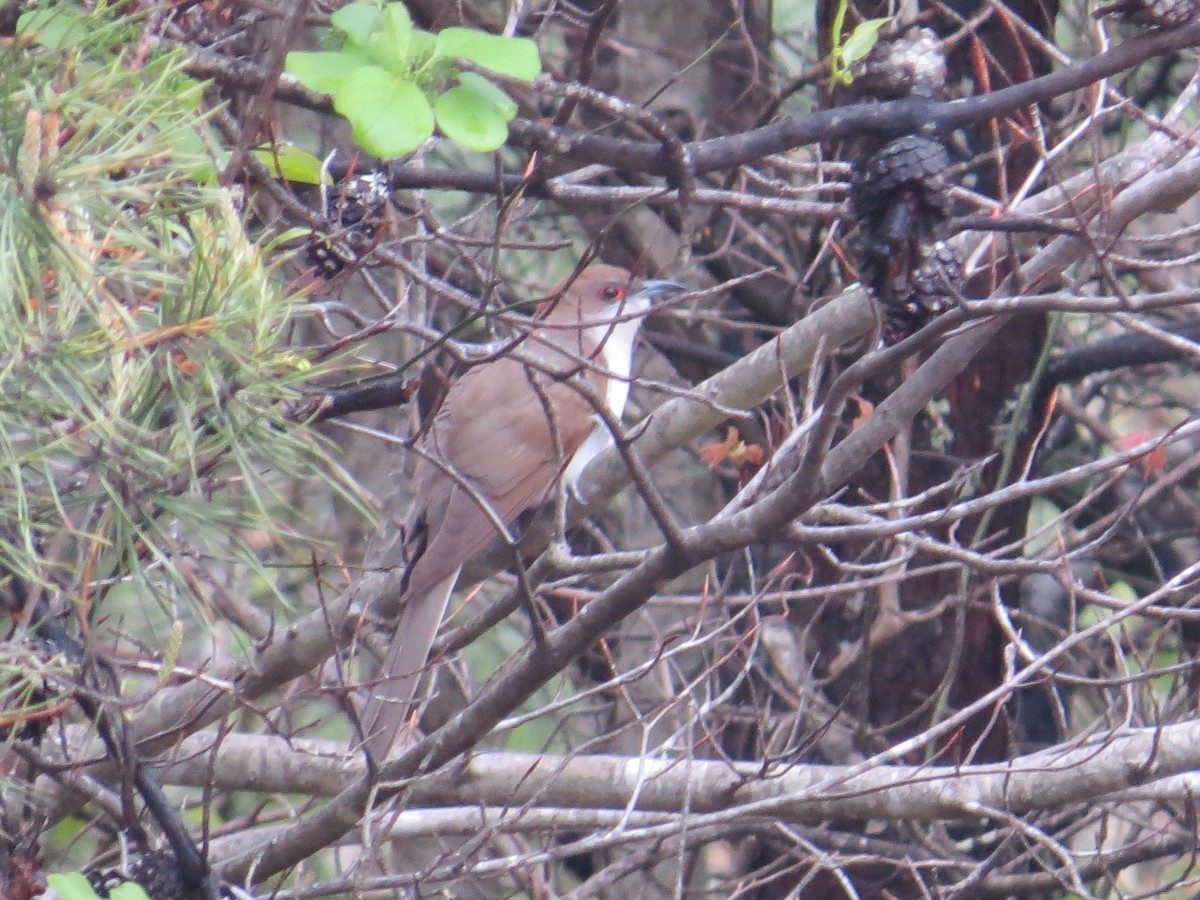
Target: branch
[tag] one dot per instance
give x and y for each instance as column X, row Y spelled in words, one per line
column 1118, row 353
column 1152, row 763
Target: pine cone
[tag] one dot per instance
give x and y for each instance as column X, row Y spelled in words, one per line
column 358, row 205
column 912, row 164
column 900, row 194
column 900, row 198
column 911, row 65
column 930, row 293
column 359, row 201
column 156, row 872
column 325, row 257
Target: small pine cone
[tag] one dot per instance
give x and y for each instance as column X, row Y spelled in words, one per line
column 157, row 873
column 930, row 293
column 359, row 201
column 324, row 257
column 1163, row 13
column 910, row 65
column 912, row 164
column 357, row 205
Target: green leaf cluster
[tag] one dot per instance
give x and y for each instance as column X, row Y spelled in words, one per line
column 394, row 82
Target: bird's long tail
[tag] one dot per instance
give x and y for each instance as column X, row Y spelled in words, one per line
column 391, row 696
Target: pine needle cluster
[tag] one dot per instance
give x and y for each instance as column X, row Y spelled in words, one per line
column 144, row 352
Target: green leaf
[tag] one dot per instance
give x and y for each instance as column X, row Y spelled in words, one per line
column 391, row 116
column 504, row 104
column 322, row 72
column 422, row 48
column 72, row 886
column 861, row 40
column 357, row 21
column 292, row 164
column 297, row 233
column 391, row 44
column 128, row 891
column 514, row 57
column 471, row 121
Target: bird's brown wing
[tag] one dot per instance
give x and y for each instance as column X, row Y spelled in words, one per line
column 475, row 470
column 503, row 459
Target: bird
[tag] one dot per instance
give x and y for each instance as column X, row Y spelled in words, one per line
column 507, row 433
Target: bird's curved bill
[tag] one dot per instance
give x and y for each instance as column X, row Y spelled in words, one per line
column 655, row 288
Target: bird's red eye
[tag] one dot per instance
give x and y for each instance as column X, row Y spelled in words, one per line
column 611, row 293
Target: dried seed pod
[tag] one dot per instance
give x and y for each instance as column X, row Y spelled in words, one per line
column 909, row 65
column 1164, row 13
column 913, row 164
column 930, row 293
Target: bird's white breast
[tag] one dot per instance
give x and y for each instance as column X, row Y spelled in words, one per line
column 617, row 358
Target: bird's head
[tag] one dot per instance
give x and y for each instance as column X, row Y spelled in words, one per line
column 604, row 293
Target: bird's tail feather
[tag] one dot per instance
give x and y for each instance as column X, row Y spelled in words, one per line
column 388, row 705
